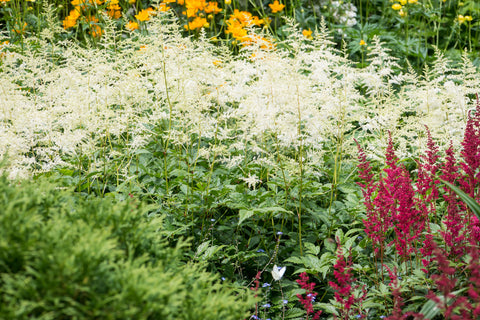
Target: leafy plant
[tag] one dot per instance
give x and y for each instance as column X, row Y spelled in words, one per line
column 63, row 256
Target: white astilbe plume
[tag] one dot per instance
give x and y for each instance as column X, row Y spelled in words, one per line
column 267, row 106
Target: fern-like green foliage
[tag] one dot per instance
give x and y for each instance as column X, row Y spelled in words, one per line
column 66, row 257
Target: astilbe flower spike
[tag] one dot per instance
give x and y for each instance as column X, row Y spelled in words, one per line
column 426, row 182
column 344, row 291
column 406, row 220
column 309, row 298
column 378, row 221
column 427, row 188
column 474, row 286
column 398, row 303
column 455, row 219
column 471, row 153
column 445, row 282
column 471, row 165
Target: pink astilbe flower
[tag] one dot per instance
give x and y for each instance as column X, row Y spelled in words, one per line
column 397, row 297
column 471, row 153
column 426, row 183
column 397, row 313
column 407, row 221
column 445, row 281
column 377, row 209
column 393, row 206
column 310, row 295
column 474, row 280
column 344, row 291
column 455, row 219
column 471, row 164
column 427, row 188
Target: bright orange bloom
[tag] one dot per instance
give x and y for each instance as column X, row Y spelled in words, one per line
column 197, row 23
column 78, row 2
column 238, row 21
column 181, row 2
column 71, row 20
column 114, row 10
column 212, row 7
column 163, row 7
column 276, row 7
column 96, row 31
column 131, row 25
column 246, row 18
column 143, row 15
column 307, row 34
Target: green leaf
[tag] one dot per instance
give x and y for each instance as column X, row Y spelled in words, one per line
column 295, row 259
column 430, row 310
column 469, row 201
column 244, row 214
column 339, row 235
column 311, row 248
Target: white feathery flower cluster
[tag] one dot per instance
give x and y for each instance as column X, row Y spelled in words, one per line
column 260, row 104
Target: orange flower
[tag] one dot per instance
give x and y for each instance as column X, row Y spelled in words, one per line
column 245, row 18
column 143, row 15
column 163, row 7
column 71, row 20
column 96, row 31
column 307, row 34
column 197, row 23
column 264, row 43
column 131, row 25
column 114, row 10
column 20, row 29
column 151, row 11
column 276, row 7
column 79, row 2
column 212, row 7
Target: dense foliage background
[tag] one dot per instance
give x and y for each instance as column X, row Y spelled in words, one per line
column 239, row 159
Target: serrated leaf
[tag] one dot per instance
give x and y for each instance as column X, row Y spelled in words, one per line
column 244, row 214
column 384, row 289
column 311, row 248
column 349, row 243
column 330, row 245
column 324, row 271
column 313, row 263
column 297, row 260
column 201, row 248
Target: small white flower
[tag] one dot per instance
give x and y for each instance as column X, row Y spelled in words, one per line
column 278, row 272
column 251, row 181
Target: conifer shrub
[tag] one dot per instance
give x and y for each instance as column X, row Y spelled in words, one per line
column 65, row 257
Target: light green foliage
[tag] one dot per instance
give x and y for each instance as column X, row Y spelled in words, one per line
column 63, row 257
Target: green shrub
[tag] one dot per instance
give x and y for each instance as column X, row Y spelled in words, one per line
column 66, row 257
